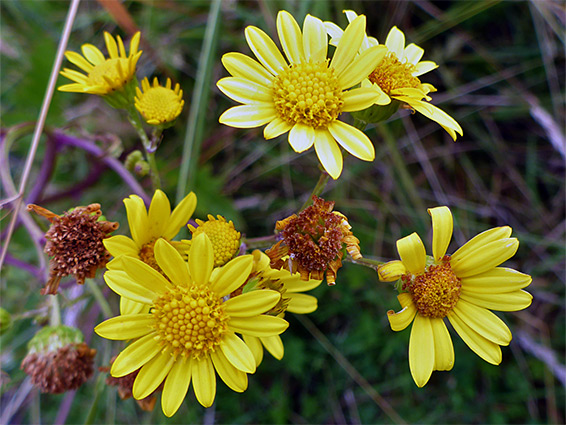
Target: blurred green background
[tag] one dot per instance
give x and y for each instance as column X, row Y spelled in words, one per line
column 501, row 76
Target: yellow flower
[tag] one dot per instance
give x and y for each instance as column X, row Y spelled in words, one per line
column 396, row 75
column 159, row 105
column 306, row 94
column 462, row 287
column 293, row 300
column 223, row 235
column 190, row 330
column 146, row 228
column 103, row 75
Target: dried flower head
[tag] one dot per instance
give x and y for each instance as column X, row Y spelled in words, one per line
column 74, row 241
column 58, row 360
column 313, row 242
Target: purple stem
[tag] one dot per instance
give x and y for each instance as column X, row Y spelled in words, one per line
column 24, row 266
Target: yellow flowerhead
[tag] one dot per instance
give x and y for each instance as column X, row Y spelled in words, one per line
column 157, row 104
column 103, row 75
column 190, row 330
column 305, row 94
column 223, row 235
column 146, row 228
column 396, row 75
column 462, row 287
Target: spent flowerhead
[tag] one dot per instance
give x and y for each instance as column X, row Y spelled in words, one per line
column 396, row 76
column 463, row 287
column 314, row 242
column 305, row 93
column 223, row 235
column 58, row 360
column 189, row 330
column 75, row 243
column 158, row 105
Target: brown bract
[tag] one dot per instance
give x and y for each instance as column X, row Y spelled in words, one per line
column 74, row 243
column 314, row 242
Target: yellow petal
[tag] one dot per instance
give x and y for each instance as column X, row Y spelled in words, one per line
column 359, row 99
column 412, row 253
column 315, row 40
column 248, row 116
column 334, row 31
column 413, row 53
column 328, row 152
column 252, row 303
column 391, row 271
column 180, row 216
column 443, row 348
column 301, row 137
column 353, row 140
column 363, row 66
column 245, row 91
column 395, row 42
column 128, row 306
column 259, row 326
column 135, row 355
column 158, row 215
column 121, row 283
column 111, row 45
column 171, row 262
column 78, row 60
column 238, row 353
column 254, row 344
column 423, row 67
column 349, row 45
column 509, row 301
column 442, row 226
column 240, row 65
column 290, row 37
column 137, row 219
column 145, row 275
column 235, row 379
column 92, row 54
column 301, row 303
column 75, row 76
column 176, row 386
column 486, row 258
column 438, row 115
column 126, row 327
column 400, row 320
column 274, row 345
column 152, row 375
column 421, row 350
column 479, row 241
column 121, row 245
column 293, row 283
column 276, row 128
column 484, row 348
column 265, row 50
column 201, row 259
column 204, row 380
column 484, row 322
column 233, row 275
column 497, row 280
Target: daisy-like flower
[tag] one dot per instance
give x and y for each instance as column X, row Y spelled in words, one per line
column 305, row 94
column 463, row 287
column 104, row 76
column 146, row 228
column 291, row 287
column 223, row 235
column 159, row 105
column 396, row 76
column 190, row 330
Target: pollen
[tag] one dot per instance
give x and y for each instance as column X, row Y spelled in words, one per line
column 158, row 104
column 308, row 93
column 392, row 74
column 223, row 235
column 436, row 291
column 147, row 255
column 190, row 321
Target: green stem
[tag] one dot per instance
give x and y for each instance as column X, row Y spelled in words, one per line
column 55, row 313
column 99, row 297
column 148, row 146
column 359, row 124
column 320, row 185
column 367, row 262
column 261, row 242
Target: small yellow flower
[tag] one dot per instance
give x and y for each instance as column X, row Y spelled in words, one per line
column 103, row 75
column 396, row 75
column 189, row 333
column 223, row 235
column 305, row 94
column 462, row 287
column 157, row 104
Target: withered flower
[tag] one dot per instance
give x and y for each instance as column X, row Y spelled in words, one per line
column 74, row 241
column 58, row 360
column 314, row 242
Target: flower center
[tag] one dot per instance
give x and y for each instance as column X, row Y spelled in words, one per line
column 191, row 320
column 436, row 291
column 391, row 74
column 224, row 237
column 159, row 104
column 112, row 74
column 148, row 257
column 308, row 93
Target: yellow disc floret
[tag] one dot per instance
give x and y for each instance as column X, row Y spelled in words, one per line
column 191, row 320
column 158, row 104
column 392, row 74
column 223, row 235
column 308, row 93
